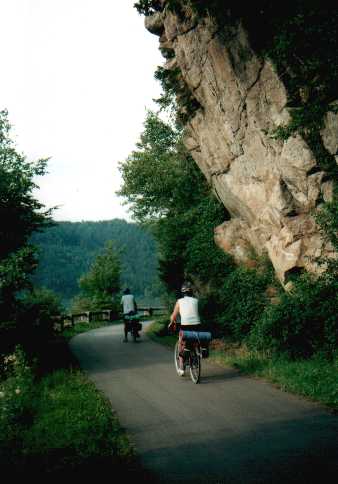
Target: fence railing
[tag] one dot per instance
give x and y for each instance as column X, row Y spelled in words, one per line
column 70, row 320
column 149, row 310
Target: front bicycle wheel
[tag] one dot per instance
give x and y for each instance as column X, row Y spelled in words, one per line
column 177, row 357
column 195, row 366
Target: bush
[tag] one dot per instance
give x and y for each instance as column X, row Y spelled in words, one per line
column 203, row 258
column 243, row 300
column 36, row 314
column 97, row 302
column 8, row 337
column 305, row 321
column 33, row 322
column 211, row 309
column 16, row 400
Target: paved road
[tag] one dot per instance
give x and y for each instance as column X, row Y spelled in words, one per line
column 227, row 429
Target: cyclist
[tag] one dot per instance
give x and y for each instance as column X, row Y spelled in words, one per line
column 129, row 308
column 187, row 309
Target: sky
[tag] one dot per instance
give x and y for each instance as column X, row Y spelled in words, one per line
column 77, row 79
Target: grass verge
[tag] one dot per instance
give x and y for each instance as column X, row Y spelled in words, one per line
column 57, row 423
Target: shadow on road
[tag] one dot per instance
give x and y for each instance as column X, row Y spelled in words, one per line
column 299, row 451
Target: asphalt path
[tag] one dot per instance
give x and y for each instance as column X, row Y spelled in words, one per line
column 227, row 429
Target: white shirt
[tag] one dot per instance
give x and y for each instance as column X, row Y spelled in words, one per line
column 189, row 310
column 128, row 303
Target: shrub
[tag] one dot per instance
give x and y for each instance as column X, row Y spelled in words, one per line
column 16, row 399
column 303, row 323
column 96, row 302
column 211, row 309
column 33, row 322
column 243, row 300
column 36, row 314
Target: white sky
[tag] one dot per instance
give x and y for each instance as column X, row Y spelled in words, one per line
column 77, row 78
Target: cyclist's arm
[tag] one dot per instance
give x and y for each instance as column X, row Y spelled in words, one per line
column 174, row 314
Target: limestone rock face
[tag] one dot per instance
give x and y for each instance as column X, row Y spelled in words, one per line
column 270, row 187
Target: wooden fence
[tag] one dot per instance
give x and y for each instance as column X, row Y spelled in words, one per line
column 149, row 311
column 63, row 321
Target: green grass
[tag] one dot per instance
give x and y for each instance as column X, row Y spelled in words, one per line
column 73, row 427
column 59, row 423
column 157, row 333
column 315, row 379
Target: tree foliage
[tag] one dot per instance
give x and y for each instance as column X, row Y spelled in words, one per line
column 304, row 322
column 20, row 212
column 20, row 215
column 102, row 282
column 166, row 189
column 67, row 250
column 158, row 176
column 104, row 273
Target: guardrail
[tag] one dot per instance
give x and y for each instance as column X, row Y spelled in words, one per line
column 70, row 320
column 149, row 310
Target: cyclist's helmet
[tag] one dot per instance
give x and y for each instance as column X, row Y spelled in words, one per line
column 186, row 287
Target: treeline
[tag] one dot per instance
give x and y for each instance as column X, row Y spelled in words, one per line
column 67, row 250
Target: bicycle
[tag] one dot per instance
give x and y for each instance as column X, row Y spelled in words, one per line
column 133, row 325
column 195, row 349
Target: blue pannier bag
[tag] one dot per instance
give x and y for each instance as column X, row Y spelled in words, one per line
column 204, row 337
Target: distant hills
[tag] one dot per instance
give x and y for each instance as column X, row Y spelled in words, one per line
column 67, row 250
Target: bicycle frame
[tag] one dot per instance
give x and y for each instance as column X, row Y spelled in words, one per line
column 191, row 359
column 192, row 352
column 132, row 325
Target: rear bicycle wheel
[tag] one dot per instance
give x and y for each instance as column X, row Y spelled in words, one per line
column 195, row 366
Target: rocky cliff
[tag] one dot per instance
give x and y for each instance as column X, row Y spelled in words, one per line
column 271, row 187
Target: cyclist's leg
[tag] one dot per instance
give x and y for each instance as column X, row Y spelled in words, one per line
column 134, row 331
column 181, row 346
column 125, row 330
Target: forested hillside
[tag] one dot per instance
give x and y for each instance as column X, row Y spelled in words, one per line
column 67, row 250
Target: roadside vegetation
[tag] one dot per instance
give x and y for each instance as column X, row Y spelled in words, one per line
column 56, row 422
column 53, row 421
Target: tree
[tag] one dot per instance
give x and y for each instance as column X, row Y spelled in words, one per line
column 20, row 215
column 165, row 189
column 102, row 281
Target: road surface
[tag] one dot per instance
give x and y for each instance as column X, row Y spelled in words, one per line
column 227, row 429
